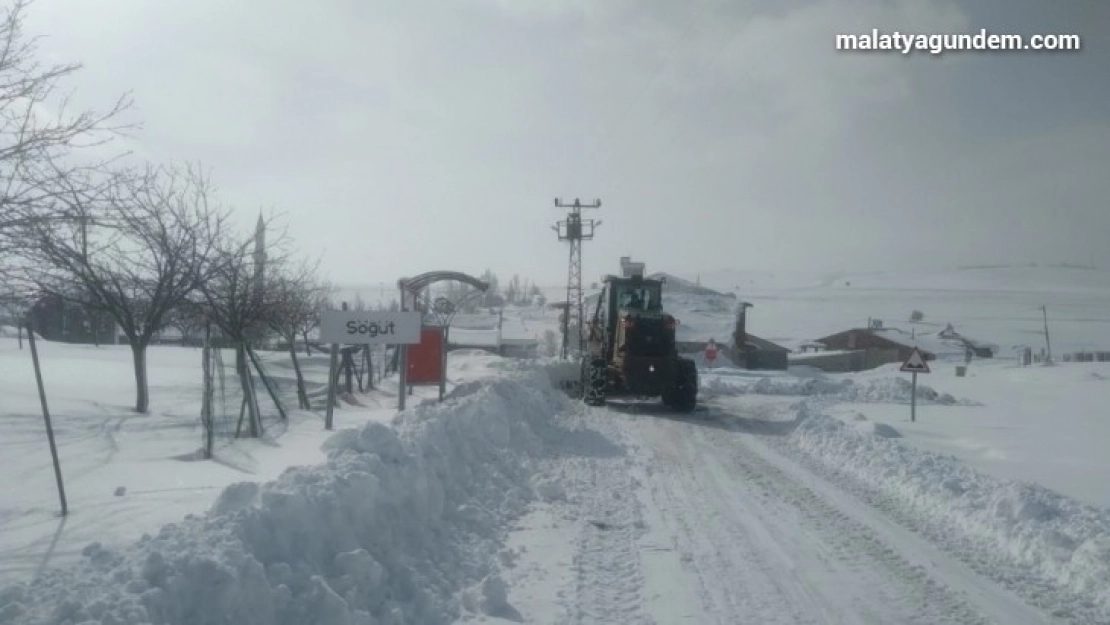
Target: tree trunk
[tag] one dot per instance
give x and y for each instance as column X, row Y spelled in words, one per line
column 302, row 394
column 266, row 382
column 307, row 347
column 249, row 398
column 19, row 334
column 142, row 395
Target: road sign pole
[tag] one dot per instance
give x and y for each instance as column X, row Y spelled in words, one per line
column 913, row 397
column 914, row 364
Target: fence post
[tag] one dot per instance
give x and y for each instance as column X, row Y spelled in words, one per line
column 332, row 381
column 46, row 417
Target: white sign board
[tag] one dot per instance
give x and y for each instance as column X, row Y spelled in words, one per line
column 369, row 327
column 915, row 363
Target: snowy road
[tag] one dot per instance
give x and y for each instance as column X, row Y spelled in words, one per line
column 703, row 521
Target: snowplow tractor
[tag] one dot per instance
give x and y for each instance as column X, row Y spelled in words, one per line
column 631, row 351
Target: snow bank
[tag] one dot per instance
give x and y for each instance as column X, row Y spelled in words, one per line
column 888, row 389
column 864, row 426
column 1029, row 527
column 396, row 527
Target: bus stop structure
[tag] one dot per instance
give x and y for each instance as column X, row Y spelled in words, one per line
column 425, row 363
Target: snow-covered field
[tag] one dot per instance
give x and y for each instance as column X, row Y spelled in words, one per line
column 788, row 497
column 1000, row 305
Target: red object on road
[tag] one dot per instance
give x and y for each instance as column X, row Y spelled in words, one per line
column 711, row 351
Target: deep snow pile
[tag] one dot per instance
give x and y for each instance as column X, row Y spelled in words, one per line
column 401, row 525
column 888, row 389
column 1026, row 527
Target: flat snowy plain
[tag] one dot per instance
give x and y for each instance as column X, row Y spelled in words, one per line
column 787, row 497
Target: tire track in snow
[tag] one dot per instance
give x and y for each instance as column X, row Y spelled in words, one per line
column 999, row 587
column 761, row 547
column 607, row 568
column 731, row 577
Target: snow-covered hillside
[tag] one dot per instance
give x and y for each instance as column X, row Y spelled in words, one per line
column 1000, row 305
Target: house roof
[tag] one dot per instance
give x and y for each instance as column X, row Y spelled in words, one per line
column 931, row 343
column 763, row 344
column 894, row 335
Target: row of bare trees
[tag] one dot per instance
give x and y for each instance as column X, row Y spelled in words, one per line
column 149, row 246
column 36, row 131
column 151, row 249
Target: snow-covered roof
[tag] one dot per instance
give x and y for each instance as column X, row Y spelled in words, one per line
column 928, row 341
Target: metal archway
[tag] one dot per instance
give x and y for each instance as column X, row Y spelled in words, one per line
column 442, row 309
column 412, row 286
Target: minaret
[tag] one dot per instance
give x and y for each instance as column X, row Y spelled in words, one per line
column 259, row 254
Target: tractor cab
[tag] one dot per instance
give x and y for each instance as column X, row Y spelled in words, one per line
column 631, row 314
column 638, row 295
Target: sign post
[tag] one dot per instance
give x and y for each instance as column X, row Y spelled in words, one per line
column 914, row 364
column 711, row 352
column 354, row 327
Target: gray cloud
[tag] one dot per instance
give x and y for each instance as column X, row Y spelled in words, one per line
column 404, row 136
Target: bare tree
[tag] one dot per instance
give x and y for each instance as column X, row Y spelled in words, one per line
column 37, row 130
column 132, row 244
column 492, row 297
column 512, row 291
column 321, row 299
column 14, row 307
column 189, row 319
column 298, row 295
column 238, row 300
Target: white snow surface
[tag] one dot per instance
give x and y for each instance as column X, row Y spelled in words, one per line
column 396, row 522
column 1011, row 526
column 886, row 389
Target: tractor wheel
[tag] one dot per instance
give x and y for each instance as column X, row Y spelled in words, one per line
column 683, row 394
column 595, row 379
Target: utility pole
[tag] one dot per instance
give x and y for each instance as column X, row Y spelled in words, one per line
column 574, row 230
column 1048, row 345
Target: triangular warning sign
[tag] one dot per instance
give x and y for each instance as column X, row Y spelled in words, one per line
column 915, row 363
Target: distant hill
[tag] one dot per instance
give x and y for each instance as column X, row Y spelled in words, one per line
column 673, row 285
column 1006, row 278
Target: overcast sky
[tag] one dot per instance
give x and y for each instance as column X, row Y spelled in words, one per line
column 401, row 136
